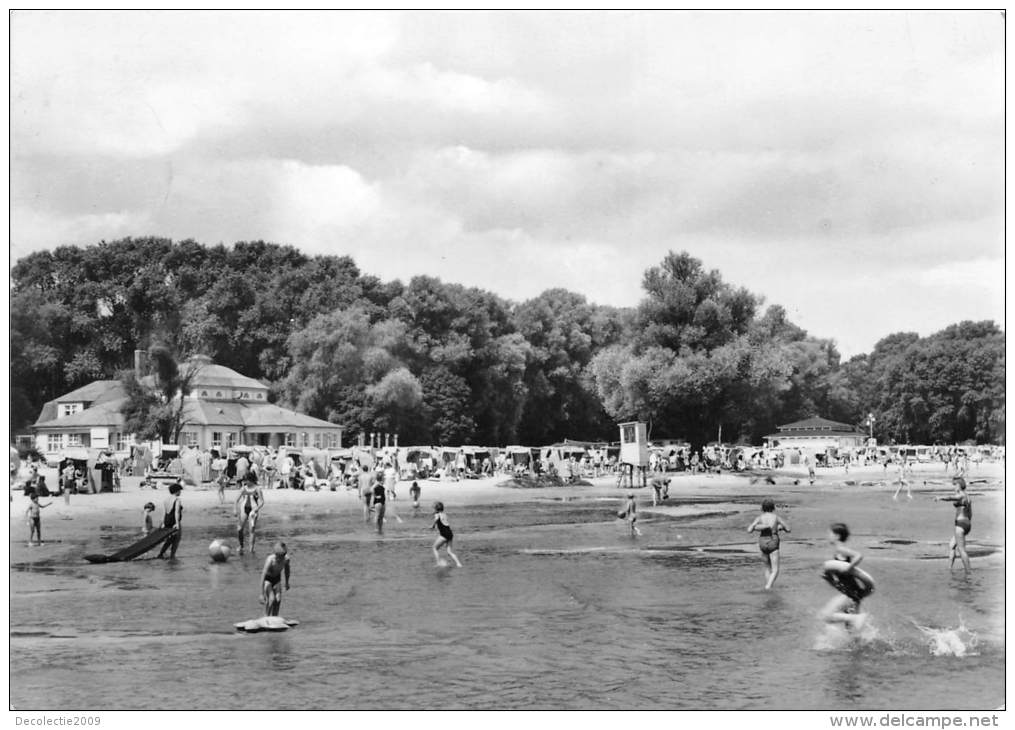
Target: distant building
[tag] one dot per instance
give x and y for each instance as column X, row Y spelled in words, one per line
column 817, row 434
column 223, row 409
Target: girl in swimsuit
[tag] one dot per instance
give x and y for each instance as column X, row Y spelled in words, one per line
column 768, row 524
column 440, row 522
column 252, row 499
column 963, row 522
column 843, row 574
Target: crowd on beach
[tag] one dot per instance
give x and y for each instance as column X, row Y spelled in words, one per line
column 375, row 474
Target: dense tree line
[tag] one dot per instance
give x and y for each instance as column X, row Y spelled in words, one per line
column 438, row 362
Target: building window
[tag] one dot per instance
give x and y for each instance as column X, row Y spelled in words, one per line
column 216, row 439
column 54, row 442
column 204, row 393
column 69, row 409
column 290, row 439
column 332, row 440
column 218, row 393
column 74, row 439
column 260, row 396
column 189, row 438
column 122, row 442
column 304, row 439
column 317, row 440
column 245, row 394
column 231, row 439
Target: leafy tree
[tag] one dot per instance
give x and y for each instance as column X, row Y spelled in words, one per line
column 156, row 409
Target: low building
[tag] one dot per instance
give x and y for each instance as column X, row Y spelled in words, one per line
column 223, row 409
column 818, row 435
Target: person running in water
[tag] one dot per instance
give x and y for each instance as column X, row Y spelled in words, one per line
column 275, row 566
column 768, row 524
column 445, row 535
column 963, row 522
column 252, row 500
column 842, row 573
column 378, row 502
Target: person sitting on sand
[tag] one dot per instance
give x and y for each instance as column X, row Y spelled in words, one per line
column 843, row 574
column 275, row 566
column 768, row 524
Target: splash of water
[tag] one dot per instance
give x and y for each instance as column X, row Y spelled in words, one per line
column 948, row 641
column 836, row 637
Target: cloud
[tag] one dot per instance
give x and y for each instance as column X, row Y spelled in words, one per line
column 817, row 158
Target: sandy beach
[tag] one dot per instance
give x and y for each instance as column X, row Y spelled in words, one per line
column 66, row 526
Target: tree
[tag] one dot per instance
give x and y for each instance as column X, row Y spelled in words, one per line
column 155, row 410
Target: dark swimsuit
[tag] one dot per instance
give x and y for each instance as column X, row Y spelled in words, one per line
column 853, row 587
column 170, row 519
column 444, row 530
column 248, row 506
column 768, row 541
column 964, row 514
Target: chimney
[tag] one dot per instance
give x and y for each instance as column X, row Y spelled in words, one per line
column 140, row 363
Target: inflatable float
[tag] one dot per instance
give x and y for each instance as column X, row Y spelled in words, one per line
column 146, row 543
column 855, row 584
column 266, row 623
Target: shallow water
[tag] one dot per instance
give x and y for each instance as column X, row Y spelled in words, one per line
column 557, row 607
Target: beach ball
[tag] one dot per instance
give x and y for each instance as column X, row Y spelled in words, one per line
column 219, row 551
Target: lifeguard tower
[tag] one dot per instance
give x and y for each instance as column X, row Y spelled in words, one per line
column 633, row 452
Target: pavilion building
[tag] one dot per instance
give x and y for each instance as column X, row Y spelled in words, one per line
column 817, row 434
column 223, row 409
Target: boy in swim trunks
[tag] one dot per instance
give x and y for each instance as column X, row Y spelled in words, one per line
column 34, row 515
column 854, row 584
column 275, row 566
column 963, row 522
column 445, row 535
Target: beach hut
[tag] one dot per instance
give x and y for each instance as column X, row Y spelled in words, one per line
column 80, row 458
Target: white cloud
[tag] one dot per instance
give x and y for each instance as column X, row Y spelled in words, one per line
column 819, row 159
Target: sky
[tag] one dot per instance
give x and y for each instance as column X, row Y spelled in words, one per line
column 846, row 166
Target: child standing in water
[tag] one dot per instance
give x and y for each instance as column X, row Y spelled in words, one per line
column 34, row 515
column 275, row 566
column 445, row 535
column 768, row 524
column 842, row 573
column 963, row 522
column 414, row 493
column 630, row 513
column 149, row 510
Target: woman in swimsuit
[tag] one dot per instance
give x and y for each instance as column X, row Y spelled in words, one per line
column 252, row 499
column 963, row 522
column 173, row 518
column 440, row 522
column 768, row 524
column 842, row 573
